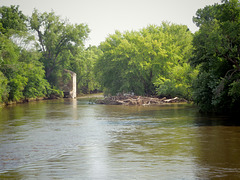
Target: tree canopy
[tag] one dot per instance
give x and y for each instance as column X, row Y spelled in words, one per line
column 217, row 53
column 146, row 61
column 58, row 40
column 32, row 67
column 22, row 75
column 12, row 20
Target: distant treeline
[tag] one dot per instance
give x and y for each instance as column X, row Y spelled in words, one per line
column 165, row 60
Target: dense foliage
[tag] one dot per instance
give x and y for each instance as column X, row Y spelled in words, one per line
column 21, row 74
column 58, row 41
column 217, row 53
column 32, row 68
column 147, row 62
column 166, row 60
column 83, row 64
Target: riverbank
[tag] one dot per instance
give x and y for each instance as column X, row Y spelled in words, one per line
column 137, row 100
column 92, row 97
column 27, row 100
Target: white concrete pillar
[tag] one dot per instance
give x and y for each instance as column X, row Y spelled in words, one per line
column 74, row 88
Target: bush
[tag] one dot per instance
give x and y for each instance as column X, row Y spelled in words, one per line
column 3, row 88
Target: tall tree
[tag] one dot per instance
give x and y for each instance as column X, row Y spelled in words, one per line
column 57, row 40
column 21, row 74
column 143, row 61
column 217, row 53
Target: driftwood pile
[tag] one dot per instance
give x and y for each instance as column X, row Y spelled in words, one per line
column 137, row 100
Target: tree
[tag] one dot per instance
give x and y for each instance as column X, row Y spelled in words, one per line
column 217, row 52
column 21, row 74
column 173, row 74
column 3, row 87
column 12, row 20
column 178, row 83
column 33, row 70
column 83, row 64
column 143, row 61
column 21, row 70
column 58, row 40
column 119, row 69
column 10, row 68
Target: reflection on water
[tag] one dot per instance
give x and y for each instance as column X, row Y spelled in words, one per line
column 70, row 139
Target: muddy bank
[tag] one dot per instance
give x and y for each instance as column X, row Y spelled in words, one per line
column 137, row 100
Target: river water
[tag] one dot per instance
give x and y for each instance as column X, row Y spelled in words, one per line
column 72, row 139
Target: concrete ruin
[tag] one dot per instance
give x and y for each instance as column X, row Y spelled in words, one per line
column 68, row 84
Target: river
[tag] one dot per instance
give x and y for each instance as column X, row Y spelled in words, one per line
column 72, row 139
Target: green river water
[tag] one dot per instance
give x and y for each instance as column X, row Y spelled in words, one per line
column 72, row 139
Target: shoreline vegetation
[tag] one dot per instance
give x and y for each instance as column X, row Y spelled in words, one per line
column 166, row 60
column 27, row 100
column 52, row 97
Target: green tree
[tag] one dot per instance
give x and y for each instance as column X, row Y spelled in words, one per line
column 178, row 82
column 25, row 74
column 118, row 68
column 3, row 87
column 58, row 40
column 22, row 75
column 83, row 64
column 12, row 20
column 173, row 74
column 10, row 68
column 33, row 70
column 217, row 53
column 143, row 61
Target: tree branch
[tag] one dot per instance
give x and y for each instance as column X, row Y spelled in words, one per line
column 40, row 39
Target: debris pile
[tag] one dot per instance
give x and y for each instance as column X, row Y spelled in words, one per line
column 137, row 100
